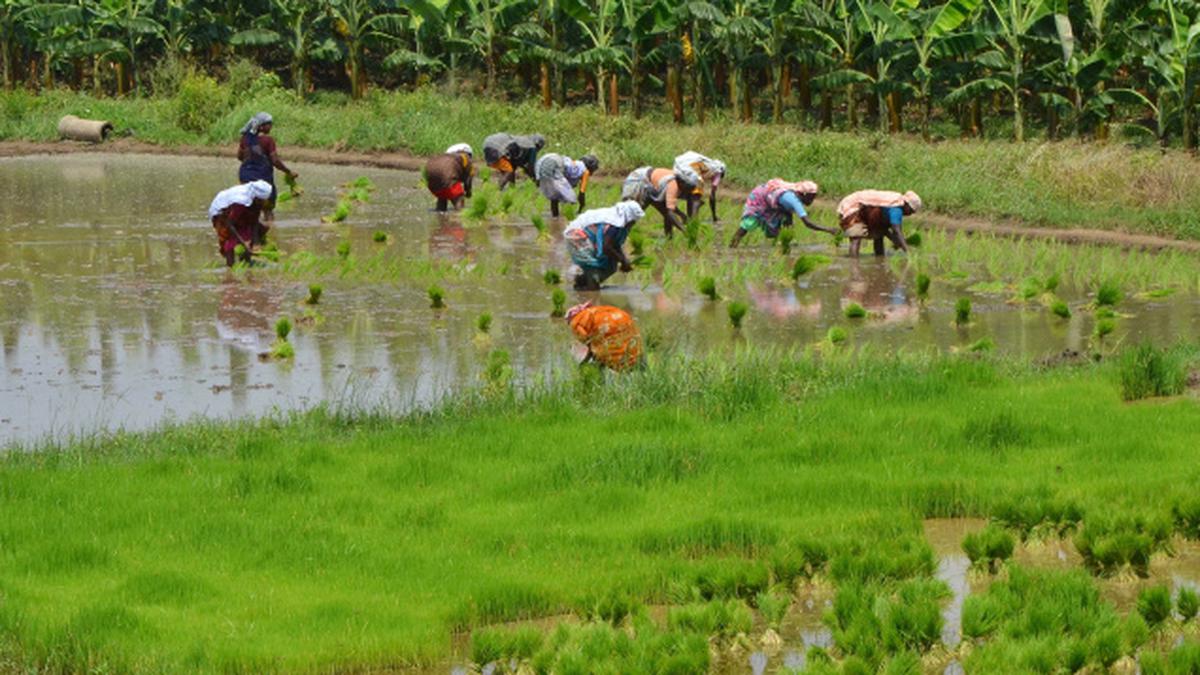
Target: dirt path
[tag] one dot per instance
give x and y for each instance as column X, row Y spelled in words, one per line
column 400, row 160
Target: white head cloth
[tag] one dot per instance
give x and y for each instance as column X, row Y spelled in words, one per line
column 460, row 147
column 619, row 215
column 244, row 194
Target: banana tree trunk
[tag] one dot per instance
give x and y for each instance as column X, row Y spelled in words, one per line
column 780, row 72
column 1189, row 101
column 851, row 108
column 731, row 77
column 601, row 78
column 673, row 93
column 614, row 101
column 491, row 67
column 1018, row 114
column 747, row 98
column 894, row 117
column 635, row 74
column 826, row 109
column 544, row 74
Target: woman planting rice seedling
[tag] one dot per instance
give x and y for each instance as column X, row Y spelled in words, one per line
column 506, row 154
column 610, row 335
column 235, row 216
column 448, row 176
column 875, row 214
column 658, row 188
column 692, row 172
column 260, row 157
column 558, row 175
column 773, row 204
column 595, row 241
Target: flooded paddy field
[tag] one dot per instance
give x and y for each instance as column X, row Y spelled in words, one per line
column 117, row 314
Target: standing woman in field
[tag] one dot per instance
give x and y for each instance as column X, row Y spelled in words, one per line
column 658, row 188
column 773, row 204
column 693, row 171
column 235, row 217
column 506, row 153
column 448, row 176
column 260, row 157
column 875, row 214
column 557, row 175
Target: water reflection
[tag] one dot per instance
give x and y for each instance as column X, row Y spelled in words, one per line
column 116, row 312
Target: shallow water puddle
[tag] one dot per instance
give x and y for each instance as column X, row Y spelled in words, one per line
column 116, row 313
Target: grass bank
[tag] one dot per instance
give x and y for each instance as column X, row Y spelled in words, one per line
column 1065, row 185
column 329, row 541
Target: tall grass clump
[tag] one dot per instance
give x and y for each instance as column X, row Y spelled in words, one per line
column 962, row 311
column 708, row 288
column 558, row 303
column 483, row 323
column 737, row 313
column 499, row 371
column 1147, row 371
column 786, row 238
column 502, row 645
column 539, row 224
column 437, row 296
column 1113, row 542
column 1104, row 328
column 552, row 278
column 989, row 548
column 1108, row 294
column 1060, row 309
column 774, row 607
column 923, row 283
column 479, row 207
column 803, row 265
column 282, row 349
column 1188, row 603
column 854, row 311
column 343, row 249
column 1154, row 604
column 314, row 294
column 380, row 237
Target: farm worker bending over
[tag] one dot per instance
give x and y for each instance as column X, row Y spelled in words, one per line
column 876, row 214
column 611, row 336
column 506, row 153
column 693, row 171
column 235, row 214
column 448, row 176
column 557, row 175
column 260, row 158
column 658, row 188
column 595, row 240
column 773, row 204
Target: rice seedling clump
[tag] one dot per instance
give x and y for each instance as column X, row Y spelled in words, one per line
column 989, row 548
column 737, row 313
column 854, row 311
column 314, row 294
column 708, row 288
column 437, row 296
column 962, row 311
column 558, row 302
column 1147, row 371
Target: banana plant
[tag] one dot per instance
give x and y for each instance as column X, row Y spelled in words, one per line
column 933, row 35
column 1014, row 21
column 1168, row 44
column 358, row 23
column 598, row 22
column 844, row 36
column 740, row 37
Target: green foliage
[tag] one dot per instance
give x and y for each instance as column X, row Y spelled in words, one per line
column 380, row 237
column 708, row 288
column 1111, row 542
column 341, row 212
column 637, row 242
column 774, row 607
column 737, row 312
column 1186, row 515
column 982, row 345
column 1060, row 309
column 1105, row 327
column 539, row 223
column 558, row 302
column 914, row 240
column 1188, row 603
column 199, row 103
column 1037, row 515
column 923, row 283
column 854, row 311
column 786, row 236
column 498, row 373
column 483, row 323
column 314, row 294
column 836, row 335
column 1147, row 371
column 872, row 622
column 437, row 296
column 989, row 548
column 1154, row 604
column 343, row 249
column 716, row 618
column 478, row 207
column 962, row 311
column 996, row 430
column 552, row 278
column 1108, row 293
column 491, row 645
column 283, row 328
column 282, row 349
column 803, row 265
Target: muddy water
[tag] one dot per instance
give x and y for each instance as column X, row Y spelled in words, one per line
column 114, row 312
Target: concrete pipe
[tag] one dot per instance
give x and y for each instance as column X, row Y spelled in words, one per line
column 75, row 128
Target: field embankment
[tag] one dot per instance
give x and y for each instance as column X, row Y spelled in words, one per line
column 353, row 542
column 1054, row 185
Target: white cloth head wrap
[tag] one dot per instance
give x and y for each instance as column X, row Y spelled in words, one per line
column 913, row 200
column 244, row 194
column 460, row 147
column 619, row 215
